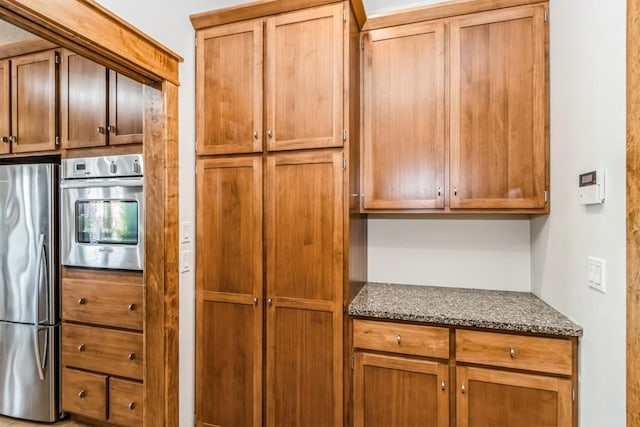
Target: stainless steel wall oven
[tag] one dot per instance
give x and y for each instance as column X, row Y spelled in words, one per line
column 102, row 212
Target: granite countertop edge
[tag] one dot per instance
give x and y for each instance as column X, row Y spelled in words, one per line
column 523, row 312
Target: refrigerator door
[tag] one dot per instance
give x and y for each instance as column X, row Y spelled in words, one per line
column 28, row 272
column 29, row 371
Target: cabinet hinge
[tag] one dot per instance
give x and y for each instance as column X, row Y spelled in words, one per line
column 352, row 362
column 546, row 15
column 344, row 307
column 57, row 56
column 57, row 140
column 344, row 135
column 573, row 394
column 344, row 16
column 546, row 197
column 344, row 164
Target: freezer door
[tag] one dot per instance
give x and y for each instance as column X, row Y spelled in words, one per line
column 29, row 372
column 28, row 272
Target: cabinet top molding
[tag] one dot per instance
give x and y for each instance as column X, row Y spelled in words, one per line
column 93, row 31
column 262, row 8
column 438, row 11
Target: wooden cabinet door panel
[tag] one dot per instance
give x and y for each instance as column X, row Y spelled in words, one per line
column 125, row 402
column 229, row 292
column 404, row 101
column 304, row 365
column 304, row 78
column 229, row 93
column 34, row 102
column 83, row 102
column 400, row 392
column 498, row 398
column 304, row 226
column 125, row 110
column 5, row 107
column 498, row 109
column 84, row 394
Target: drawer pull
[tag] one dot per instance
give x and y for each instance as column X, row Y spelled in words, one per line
column 82, row 394
column 399, row 339
column 132, row 356
column 132, row 307
column 512, row 352
column 463, row 389
column 443, row 386
column 81, row 347
column 131, row 406
column 82, row 301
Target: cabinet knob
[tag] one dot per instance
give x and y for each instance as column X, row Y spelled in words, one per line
column 270, row 301
column 131, row 405
column 81, row 347
column 439, row 191
column 455, row 191
column 443, row 386
column 100, row 130
column 82, row 394
column 131, row 356
column 463, row 390
column 256, row 301
column 256, row 135
column 512, row 352
column 5, row 139
column 13, row 139
column 399, row 339
column 111, row 129
column 82, row 301
column 132, row 307
column 270, row 133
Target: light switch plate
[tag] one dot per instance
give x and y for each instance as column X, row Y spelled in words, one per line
column 185, row 261
column 185, row 232
column 596, row 274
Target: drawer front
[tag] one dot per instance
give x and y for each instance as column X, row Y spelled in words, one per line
column 515, row 351
column 102, row 350
column 125, row 402
column 417, row 340
column 84, row 394
column 102, row 303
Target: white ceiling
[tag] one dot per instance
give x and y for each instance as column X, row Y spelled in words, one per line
column 11, row 34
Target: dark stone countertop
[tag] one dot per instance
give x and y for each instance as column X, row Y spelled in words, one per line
column 497, row 310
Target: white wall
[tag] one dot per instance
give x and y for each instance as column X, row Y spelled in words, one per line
column 587, row 130
column 587, row 57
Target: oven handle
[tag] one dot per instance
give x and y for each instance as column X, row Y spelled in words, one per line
column 110, row 182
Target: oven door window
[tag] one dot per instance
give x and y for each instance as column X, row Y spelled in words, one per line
column 113, row 222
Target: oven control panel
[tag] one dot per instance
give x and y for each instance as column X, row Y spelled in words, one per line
column 103, row 167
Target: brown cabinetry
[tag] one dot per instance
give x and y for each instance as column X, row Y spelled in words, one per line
column 493, row 155
column 98, row 106
column 299, row 56
column 102, row 345
column 33, row 107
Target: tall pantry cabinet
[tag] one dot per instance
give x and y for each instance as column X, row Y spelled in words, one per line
column 276, row 112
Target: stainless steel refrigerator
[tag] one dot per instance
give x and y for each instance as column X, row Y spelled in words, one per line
column 29, row 293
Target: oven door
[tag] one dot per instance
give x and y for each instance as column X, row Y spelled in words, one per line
column 102, row 223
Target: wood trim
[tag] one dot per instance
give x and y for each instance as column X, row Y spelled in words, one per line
column 90, row 29
column 25, row 46
column 633, row 216
column 438, row 11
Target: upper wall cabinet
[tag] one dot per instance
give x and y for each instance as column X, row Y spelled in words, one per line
column 98, row 106
column 404, row 101
column 495, row 90
column 33, row 107
column 284, row 50
column 499, row 109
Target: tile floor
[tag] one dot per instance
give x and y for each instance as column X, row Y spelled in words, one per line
column 11, row 422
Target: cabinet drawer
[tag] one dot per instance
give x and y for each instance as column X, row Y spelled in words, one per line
column 102, row 350
column 515, row 351
column 84, row 394
column 401, row 338
column 102, row 303
column 125, row 402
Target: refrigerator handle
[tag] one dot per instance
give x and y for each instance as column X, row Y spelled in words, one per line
column 36, row 302
column 36, row 349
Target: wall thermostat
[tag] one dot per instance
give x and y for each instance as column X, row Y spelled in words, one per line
column 591, row 187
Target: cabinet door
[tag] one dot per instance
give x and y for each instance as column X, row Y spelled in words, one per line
column 83, row 102
column 5, row 107
column 229, row 89
column 404, row 117
column 387, row 390
column 304, row 78
column 34, row 102
column 488, row 397
column 304, row 289
column 229, row 292
column 499, row 154
column 125, row 110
